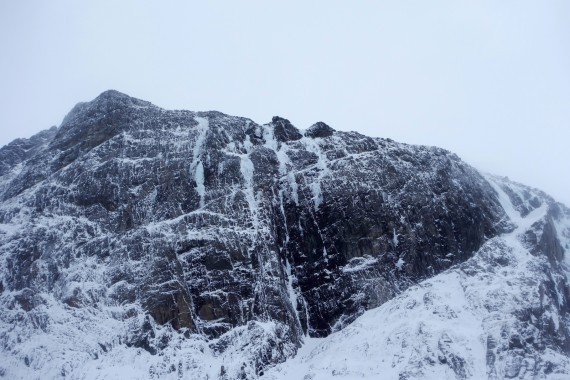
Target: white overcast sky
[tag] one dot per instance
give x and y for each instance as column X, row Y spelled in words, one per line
column 488, row 80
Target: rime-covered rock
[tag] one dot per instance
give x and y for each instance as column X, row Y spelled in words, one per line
column 501, row 314
column 186, row 236
column 319, row 129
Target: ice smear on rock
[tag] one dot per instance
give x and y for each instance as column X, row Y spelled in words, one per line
column 145, row 243
column 466, row 323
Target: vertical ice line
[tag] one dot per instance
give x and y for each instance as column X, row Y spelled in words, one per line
column 312, row 145
column 307, row 318
column 246, row 169
column 199, row 177
column 196, row 167
column 292, row 294
column 281, row 150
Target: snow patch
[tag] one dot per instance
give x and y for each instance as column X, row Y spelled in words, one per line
column 359, row 263
column 395, row 238
column 400, row 264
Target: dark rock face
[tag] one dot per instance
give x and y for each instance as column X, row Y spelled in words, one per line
column 209, row 221
column 284, row 131
column 359, row 230
column 501, row 314
column 21, row 150
column 319, row 129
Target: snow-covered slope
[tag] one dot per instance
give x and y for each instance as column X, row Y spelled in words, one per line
column 145, row 243
column 501, row 314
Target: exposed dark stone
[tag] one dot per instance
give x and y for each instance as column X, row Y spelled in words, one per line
column 202, row 225
column 319, row 129
column 22, row 149
column 25, row 299
column 284, row 130
column 144, row 337
column 126, row 168
column 515, row 342
column 549, row 243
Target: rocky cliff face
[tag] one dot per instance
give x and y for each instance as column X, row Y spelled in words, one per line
column 201, row 240
column 501, row 314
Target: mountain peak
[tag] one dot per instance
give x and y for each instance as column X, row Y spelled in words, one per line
column 200, row 241
column 319, row 129
column 112, row 94
column 105, row 103
column 284, row 130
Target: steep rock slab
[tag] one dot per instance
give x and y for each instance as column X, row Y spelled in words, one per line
column 502, row 314
column 174, row 225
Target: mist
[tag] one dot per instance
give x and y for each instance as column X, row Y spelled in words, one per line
column 489, row 80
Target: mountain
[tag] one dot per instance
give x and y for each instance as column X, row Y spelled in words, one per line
column 502, row 314
column 138, row 242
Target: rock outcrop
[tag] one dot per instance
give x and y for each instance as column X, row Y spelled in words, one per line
column 170, row 227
